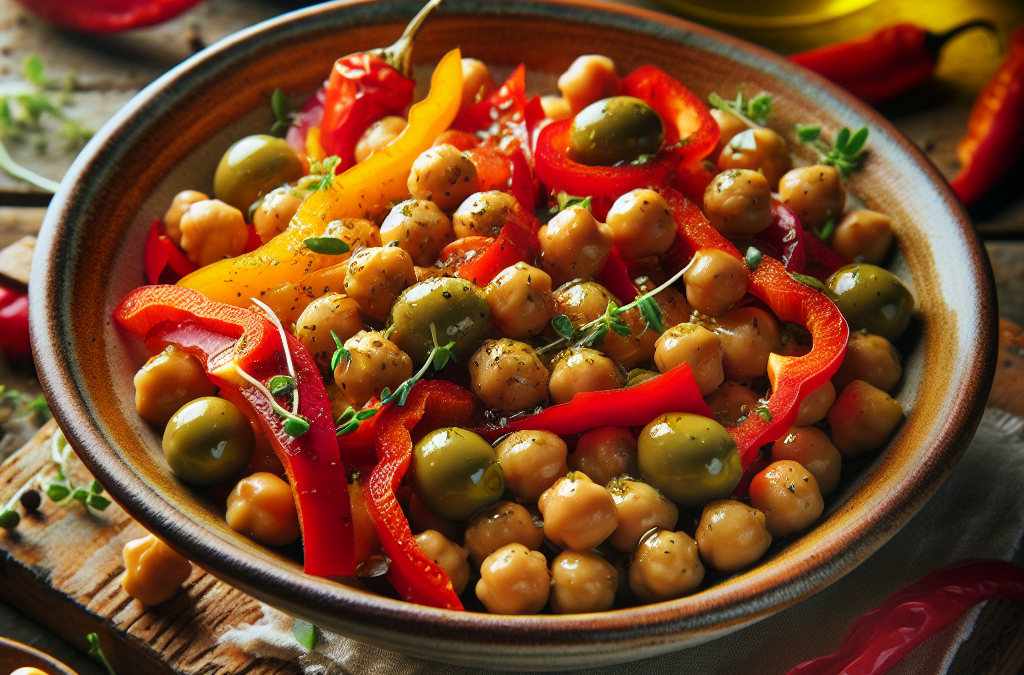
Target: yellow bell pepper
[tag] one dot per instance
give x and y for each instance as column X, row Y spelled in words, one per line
column 361, row 192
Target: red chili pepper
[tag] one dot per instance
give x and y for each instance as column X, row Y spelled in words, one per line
column 879, row 639
column 222, row 335
column 517, row 242
column 106, row 16
column 884, row 64
column 995, row 128
column 161, row 253
column 434, row 404
column 14, row 340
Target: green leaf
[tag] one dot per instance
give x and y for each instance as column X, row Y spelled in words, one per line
column 763, row 413
column 80, row 494
column 295, row 426
column 759, row 108
column 327, row 245
column 366, row 414
column 346, row 429
column 562, row 325
column 718, row 102
column 856, row 143
column 279, row 104
column 279, row 385
column 621, row 328
column 651, row 313
column 597, row 337
column 753, row 258
column 33, row 69
column 306, row 634
column 744, row 140
column 566, row 201
column 402, row 393
column 440, row 358
column 826, row 230
column 98, row 502
column 57, row 491
column 96, row 488
column 340, row 352
column 385, row 394
column 9, row 519
column 808, row 133
column 842, row 138
column 348, row 415
column 810, row 281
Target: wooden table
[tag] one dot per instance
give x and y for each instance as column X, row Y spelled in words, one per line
column 74, row 594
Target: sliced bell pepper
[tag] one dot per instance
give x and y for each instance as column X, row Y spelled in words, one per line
column 695, row 232
column 517, row 242
column 821, row 261
column 616, row 278
column 14, row 339
column 160, row 253
column 362, row 191
column 692, row 180
column 435, row 404
column 225, row 338
column 785, row 236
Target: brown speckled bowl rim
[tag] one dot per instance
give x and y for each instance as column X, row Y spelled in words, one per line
column 551, row 641
column 38, row 658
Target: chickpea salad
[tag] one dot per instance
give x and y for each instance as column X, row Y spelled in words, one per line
column 517, row 353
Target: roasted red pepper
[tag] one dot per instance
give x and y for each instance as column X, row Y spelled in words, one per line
column 882, row 65
column 14, row 340
column 435, row 404
column 616, row 277
column 995, row 128
column 225, row 339
column 106, row 16
column 517, row 242
column 785, row 238
column 161, row 253
column 821, row 261
column 878, row 639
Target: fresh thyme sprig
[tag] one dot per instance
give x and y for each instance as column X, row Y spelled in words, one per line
column 280, row 385
column 754, row 111
column 846, row 154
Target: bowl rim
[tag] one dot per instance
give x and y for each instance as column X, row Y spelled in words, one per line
column 40, row 656
column 716, row 611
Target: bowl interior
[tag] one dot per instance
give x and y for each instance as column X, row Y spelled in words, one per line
column 14, row 655
column 170, row 137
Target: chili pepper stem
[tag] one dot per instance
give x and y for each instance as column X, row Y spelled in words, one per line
column 934, row 42
column 399, row 55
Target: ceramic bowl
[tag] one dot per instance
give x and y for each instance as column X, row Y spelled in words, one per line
column 169, row 138
column 14, row 655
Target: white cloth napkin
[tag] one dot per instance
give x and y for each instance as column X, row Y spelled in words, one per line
column 978, row 513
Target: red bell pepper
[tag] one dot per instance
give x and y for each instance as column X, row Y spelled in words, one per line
column 692, row 180
column 879, row 639
column 434, row 404
column 220, row 335
column 785, row 238
column 615, row 276
column 161, row 254
column 14, row 340
column 517, row 242
column 821, row 261
column 695, row 232
column 106, row 16
column 674, row 391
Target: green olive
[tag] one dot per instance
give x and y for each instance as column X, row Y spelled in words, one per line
column 456, row 308
column 208, row 441
column 873, row 298
column 692, row 459
column 455, row 473
column 613, row 130
column 252, row 167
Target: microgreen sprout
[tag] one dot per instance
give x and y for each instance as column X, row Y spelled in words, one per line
column 321, row 175
column 61, row 489
column 754, row 111
column 340, row 353
column 294, row 424
column 282, row 112
column 96, row 651
column 846, row 154
column 567, row 201
column 825, row 233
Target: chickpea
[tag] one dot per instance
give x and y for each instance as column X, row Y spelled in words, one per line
column 153, row 571
column 574, row 245
column 578, row 370
column 483, row 214
column 274, row 213
column 331, row 313
column 815, row 405
column 578, row 514
column 674, row 307
column 211, row 230
column 589, row 300
column 732, row 535
column 642, row 224
column 749, row 335
column 477, row 82
column 421, row 518
column 445, row 175
column 863, row 418
column 168, row 381
column 180, row 205
column 262, row 507
column 447, row 555
column 715, row 281
column 532, row 461
column 665, row 566
column 508, row 375
column 500, row 525
column 815, row 193
column 863, row 236
column 728, row 126
column 514, row 580
column 730, row 402
column 374, row 362
column 378, row 135
column 28, row 670
column 556, row 108
column 358, row 233
column 813, row 450
column 605, row 453
column 789, row 497
column 693, row 344
column 738, row 202
column 769, row 154
column 582, row 581
column 520, row 301
column 870, row 358
column 367, row 543
column 376, row 276
column 590, row 78
column 638, row 507
column 420, row 228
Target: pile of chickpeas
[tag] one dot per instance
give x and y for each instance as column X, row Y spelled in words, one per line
column 611, row 517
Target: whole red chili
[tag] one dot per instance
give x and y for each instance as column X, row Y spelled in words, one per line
column 878, row 639
column 995, row 129
column 884, row 64
column 106, row 16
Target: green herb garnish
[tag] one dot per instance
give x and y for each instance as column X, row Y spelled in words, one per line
column 810, row 281
column 327, row 245
column 846, row 154
column 96, row 651
column 826, row 230
column 755, row 110
column 753, row 258
column 306, row 634
column 339, row 353
column 282, row 112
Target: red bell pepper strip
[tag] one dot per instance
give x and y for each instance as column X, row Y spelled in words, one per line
column 219, row 335
column 995, row 128
column 616, row 277
column 879, row 639
column 674, row 391
column 692, row 180
column 695, row 232
column 884, row 64
column 14, row 340
column 517, row 242
column 435, row 404
column 785, row 235
column 161, row 253
column 106, row 16
column 821, row 261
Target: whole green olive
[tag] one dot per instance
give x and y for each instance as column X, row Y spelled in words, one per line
column 456, row 308
column 208, row 441
column 252, row 167
column 455, row 473
column 692, row 459
column 613, row 130
column 873, row 298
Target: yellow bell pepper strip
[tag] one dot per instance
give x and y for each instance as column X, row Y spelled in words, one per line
column 362, row 191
